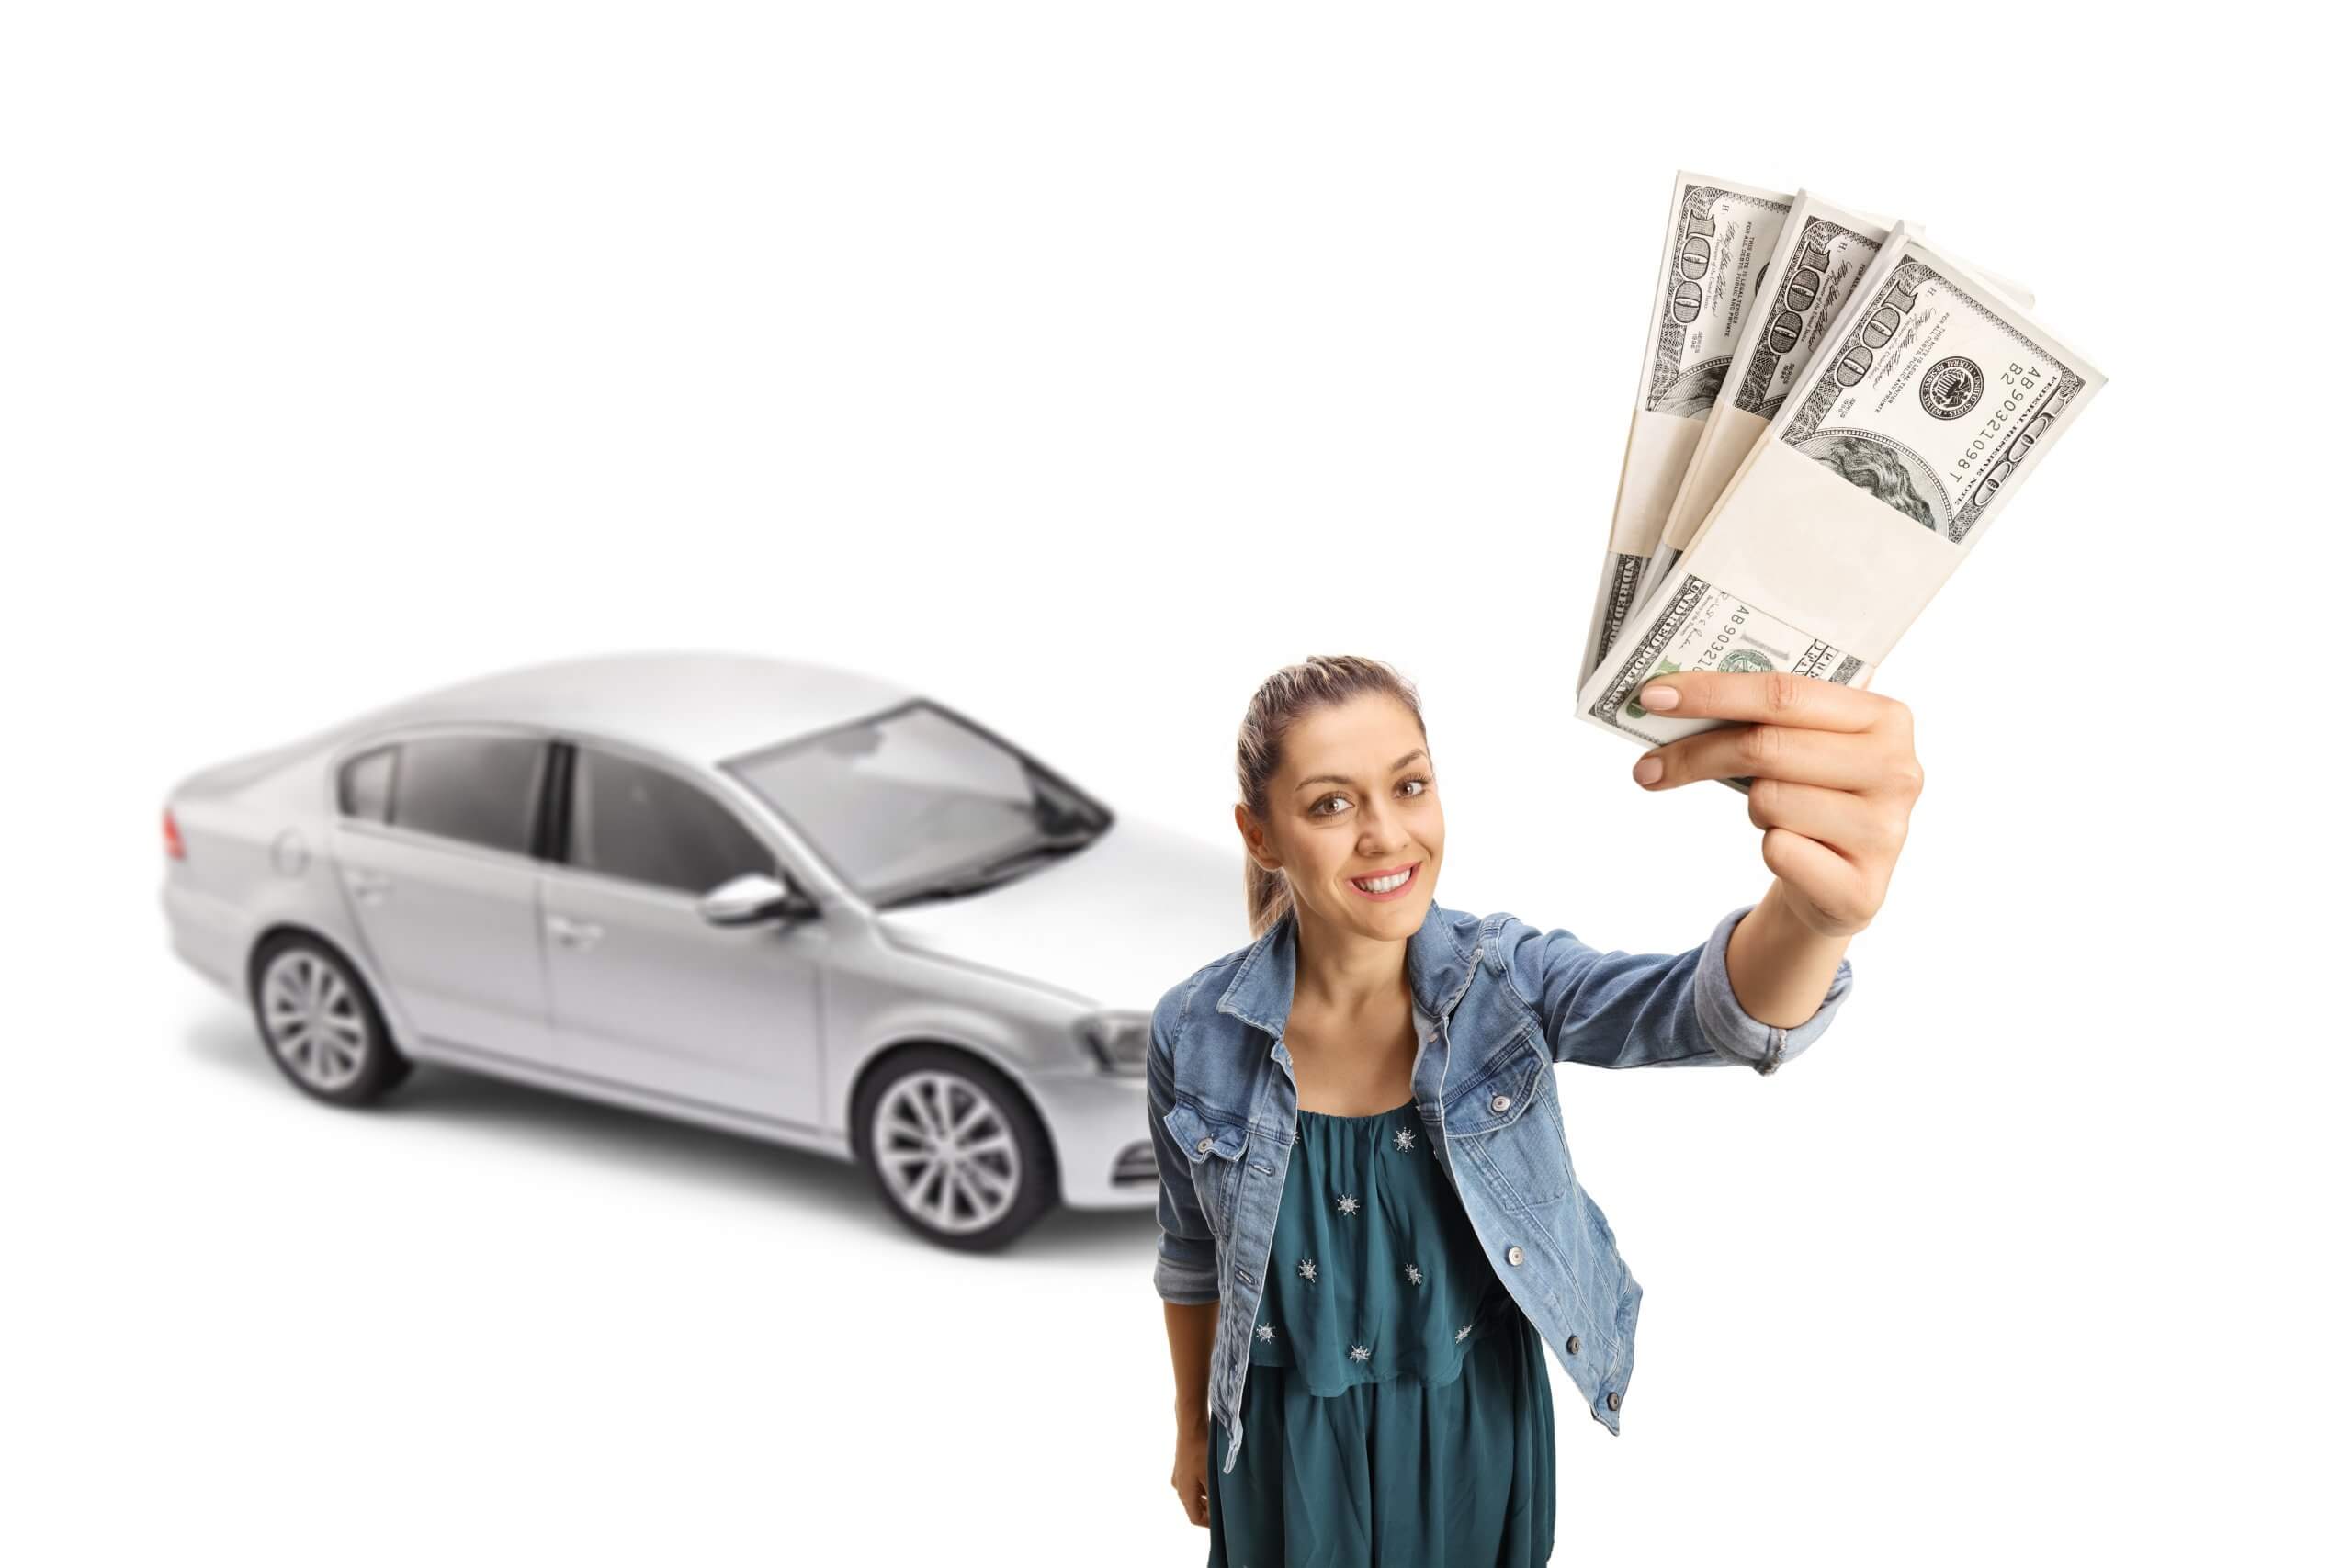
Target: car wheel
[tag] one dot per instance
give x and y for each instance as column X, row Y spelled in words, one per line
column 321, row 1024
column 958, row 1153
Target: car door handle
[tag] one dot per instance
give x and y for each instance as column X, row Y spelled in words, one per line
column 369, row 886
column 573, row 933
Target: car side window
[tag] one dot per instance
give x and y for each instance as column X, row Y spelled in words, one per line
column 365, row 789
column 479, row 789
column 649, row 825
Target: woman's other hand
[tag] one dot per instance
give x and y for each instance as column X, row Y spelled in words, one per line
column 1833, row 777
column 1191, row 1477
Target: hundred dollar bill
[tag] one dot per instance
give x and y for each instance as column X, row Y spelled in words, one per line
column 1932, row 398
column 1718, row 236
column 1823, row 253
column 1703, row 627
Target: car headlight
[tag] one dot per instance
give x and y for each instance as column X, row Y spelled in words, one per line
column 1118, row 1039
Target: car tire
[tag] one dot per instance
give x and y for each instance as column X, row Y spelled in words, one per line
column 993, row 1178
column 320, row 1022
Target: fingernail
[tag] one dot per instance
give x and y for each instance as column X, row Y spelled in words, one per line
column 1648, row 769
column 1659, row 697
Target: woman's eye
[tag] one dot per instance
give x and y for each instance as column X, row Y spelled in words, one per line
column 1317, row 809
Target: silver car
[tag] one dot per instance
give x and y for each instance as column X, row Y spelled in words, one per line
column 778, row 898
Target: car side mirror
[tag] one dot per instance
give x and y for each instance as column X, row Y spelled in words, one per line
column 753, row 898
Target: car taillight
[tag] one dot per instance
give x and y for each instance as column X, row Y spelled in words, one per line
column 172, row 845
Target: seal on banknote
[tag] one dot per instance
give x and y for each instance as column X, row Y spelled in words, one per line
column 1951, row 387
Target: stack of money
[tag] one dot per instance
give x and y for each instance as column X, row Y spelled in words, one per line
column 1832, row 409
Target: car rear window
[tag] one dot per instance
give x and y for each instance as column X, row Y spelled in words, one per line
column 366, row 786
column 479, row 789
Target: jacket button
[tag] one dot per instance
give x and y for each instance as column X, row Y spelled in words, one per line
column 1515, row 1254
column 1572, row 1344
column 1613, row 1399
column 1206, row 1145
column 1501, row 1103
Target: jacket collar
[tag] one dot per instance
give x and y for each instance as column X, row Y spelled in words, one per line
column 1436, row 968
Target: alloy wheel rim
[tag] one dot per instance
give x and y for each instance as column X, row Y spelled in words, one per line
column 945, row 1151
column 312, row 1020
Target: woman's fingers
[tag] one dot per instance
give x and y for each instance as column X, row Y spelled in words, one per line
column 1191, row 1483
column 1820, row 757
column 1836, row 847
column 1771, row 696
column 1832, row 817
column 1841, row 890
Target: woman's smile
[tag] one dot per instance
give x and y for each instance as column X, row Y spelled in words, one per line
column 1382, row 887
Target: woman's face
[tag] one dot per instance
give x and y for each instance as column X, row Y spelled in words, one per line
column 1356, row 799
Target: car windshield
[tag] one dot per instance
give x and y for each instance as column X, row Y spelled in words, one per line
column 921, row 803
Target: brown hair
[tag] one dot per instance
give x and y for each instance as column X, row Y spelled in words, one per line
column 1288, row 695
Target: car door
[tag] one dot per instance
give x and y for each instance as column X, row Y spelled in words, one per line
column 434, row 842
column 644, row 991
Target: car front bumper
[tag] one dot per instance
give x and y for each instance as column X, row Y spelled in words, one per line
column 1102, row 1138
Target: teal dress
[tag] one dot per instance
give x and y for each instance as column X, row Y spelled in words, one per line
column 1397, row 1409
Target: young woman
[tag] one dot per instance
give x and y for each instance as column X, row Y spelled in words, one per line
column 1367, row 1210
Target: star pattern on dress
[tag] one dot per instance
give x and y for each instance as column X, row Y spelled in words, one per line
column 1404, row 1138
column 1359, row 1352
column 1461, row 1334
column 1413, row 1272
column 1307, row 1269
column 1266, row 1332
column 1348, row 1203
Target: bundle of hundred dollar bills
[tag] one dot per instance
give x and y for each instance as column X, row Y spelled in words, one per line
column 1832, row 408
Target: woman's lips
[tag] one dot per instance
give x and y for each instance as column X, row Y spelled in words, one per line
column 1398, row 891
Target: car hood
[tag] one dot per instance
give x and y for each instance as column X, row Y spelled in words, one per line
column 1118, row 922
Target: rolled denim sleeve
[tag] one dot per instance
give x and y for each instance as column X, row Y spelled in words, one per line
column 1740, row 1038
column 1186, row 1272
column 1649, row 1009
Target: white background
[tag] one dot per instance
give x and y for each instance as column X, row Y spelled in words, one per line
column 1081, row 366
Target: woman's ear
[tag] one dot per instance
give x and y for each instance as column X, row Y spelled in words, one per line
column 1253, row 838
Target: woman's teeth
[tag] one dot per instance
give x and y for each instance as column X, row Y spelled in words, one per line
column 1385, row 883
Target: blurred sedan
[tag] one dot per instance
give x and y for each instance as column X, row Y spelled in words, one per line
column 777, row 899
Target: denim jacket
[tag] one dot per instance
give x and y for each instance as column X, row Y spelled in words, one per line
column 1510, row 1001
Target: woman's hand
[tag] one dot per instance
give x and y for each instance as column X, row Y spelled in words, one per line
column 1191, row 1476
column 1833, row 778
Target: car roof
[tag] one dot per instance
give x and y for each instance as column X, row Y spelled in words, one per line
column 698, row 706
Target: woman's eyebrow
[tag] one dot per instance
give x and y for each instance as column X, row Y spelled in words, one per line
column 1334, row 778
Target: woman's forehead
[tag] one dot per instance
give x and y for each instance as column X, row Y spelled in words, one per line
column 1369, row 736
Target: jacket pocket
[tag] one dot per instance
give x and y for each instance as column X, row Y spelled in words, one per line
column 1213, row 1150
column 1508, row 1121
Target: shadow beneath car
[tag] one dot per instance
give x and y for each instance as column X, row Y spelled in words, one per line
column 454, row 1097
